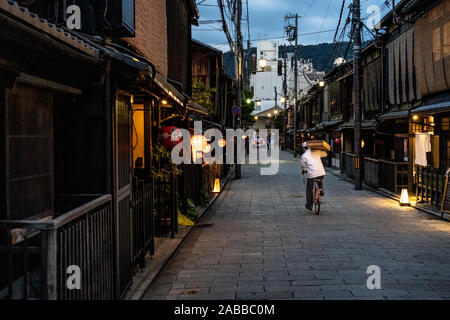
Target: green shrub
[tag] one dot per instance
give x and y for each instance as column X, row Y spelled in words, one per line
column 204, row 198
column 191, row 213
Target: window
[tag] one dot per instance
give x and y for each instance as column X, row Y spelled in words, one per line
column 416, row 127
column 445, row 124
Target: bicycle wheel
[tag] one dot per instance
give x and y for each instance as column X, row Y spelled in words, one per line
column 316, row 201
column 316, row 208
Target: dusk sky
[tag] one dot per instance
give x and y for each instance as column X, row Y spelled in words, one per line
column 267, row 19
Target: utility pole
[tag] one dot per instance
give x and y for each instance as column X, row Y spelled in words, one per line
column 276, row 96
column 292, row 35
column 239, row 73
column 285, row 100
column 356, row 17
column 295, row 85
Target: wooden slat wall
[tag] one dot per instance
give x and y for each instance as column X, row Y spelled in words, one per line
column 29, row 152
column 401, row 73
column 432, row 49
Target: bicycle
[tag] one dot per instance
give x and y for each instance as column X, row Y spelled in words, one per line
column 316, row 196
column 317, row 191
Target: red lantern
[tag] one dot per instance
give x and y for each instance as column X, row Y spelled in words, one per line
column 337, row 140
column 313, row 137
column 170, row 136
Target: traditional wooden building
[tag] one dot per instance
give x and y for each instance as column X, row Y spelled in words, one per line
column 79, row 114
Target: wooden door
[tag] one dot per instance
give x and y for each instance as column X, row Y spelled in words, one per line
column 123, row 191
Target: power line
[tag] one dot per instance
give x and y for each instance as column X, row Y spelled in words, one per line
column 324, row 18
column 339, row 22
column 283, row 37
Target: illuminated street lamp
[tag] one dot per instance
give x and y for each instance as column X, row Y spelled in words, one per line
column 269, row 115
column 256, row 117
column 262, row 63
column 248, row 101
column 322, row 84
column 258, row 103
column 283, row 100
column 275, row 112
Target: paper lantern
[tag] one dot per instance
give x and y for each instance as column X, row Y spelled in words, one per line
column 206, row 148
column 198, row 144
column 222, row 143
column 337, row 140
column 216, row 185
column 170, row 136
column 404, row 198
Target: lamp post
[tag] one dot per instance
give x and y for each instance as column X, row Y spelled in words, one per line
column 262, row 63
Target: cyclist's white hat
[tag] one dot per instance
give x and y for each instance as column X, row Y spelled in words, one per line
column 304, row 145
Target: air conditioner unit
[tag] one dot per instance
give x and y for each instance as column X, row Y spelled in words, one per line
column 121, row 15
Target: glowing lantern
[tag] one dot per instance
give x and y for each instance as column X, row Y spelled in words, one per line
column 222, row 143
column 313, row 137
column 170, row 136
column 216, row 185
column 207, row 148
column 198, row 144
column 362, row 144
column 337, row 140
column 404, row 198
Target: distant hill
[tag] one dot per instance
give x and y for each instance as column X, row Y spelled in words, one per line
column 319, row 54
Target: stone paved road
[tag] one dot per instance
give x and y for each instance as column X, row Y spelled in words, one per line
column 263, row 244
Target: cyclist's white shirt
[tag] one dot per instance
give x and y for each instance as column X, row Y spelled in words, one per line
column 312, row 163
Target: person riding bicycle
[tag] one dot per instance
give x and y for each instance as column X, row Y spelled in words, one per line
column 313, row 167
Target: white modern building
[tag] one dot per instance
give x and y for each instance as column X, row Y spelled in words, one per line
column 267, row 85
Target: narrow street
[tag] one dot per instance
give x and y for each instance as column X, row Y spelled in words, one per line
column 259, row 242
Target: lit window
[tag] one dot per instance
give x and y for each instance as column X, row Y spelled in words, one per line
column 445, row 124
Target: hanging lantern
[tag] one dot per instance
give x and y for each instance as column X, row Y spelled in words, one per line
column 337, row 140
column 170, row 136
column 363, row 143
column 313, row 137
column 207, row 148
column 216, row 185
column 222, row 143
column 404, row 197
column 198, row 144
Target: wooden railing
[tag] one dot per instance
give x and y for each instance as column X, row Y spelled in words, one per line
column 348, row 164
column 430, row 186
column 81, row 239
column 378, row 173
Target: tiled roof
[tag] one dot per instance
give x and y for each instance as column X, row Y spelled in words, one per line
column 436, row 107
column 23, row 14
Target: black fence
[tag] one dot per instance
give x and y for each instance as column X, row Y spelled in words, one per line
column 430, row 186
column 49, row 252
column 143, row 221
column 166, row 206
column 190, row 182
